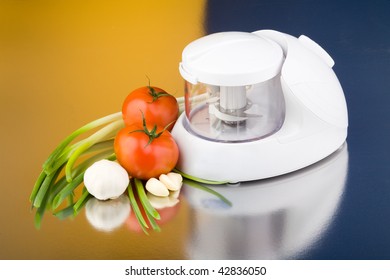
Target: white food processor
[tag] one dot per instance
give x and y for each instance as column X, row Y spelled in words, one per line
column 280, row 218
column 257, row 105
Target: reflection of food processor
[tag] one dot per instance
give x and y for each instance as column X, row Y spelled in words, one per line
column 277, row 218
column 258, row 105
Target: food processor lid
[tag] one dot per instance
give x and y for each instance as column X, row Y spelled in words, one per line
column 231, row 59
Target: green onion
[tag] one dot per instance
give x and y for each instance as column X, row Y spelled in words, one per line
column 137, row 211
column 50, row 192
column 82, row 200
column 37, row 185
column 47, row 182
column 145, row 201
column 67, row 190
column 106, row 132
column 204, row 188
column 200, row 180
column 152, row 221
column 92, row 125
column 41, row 210
column 106, row 144
column 65, row 213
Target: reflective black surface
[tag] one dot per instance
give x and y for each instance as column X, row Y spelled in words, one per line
column 280, row 218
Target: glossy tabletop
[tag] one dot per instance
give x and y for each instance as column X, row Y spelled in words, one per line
column 66, row 63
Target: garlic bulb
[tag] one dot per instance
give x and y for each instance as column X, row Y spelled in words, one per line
column 107, row 215
column 106, row 179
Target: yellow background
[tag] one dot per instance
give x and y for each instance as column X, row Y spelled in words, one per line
column 63, row 64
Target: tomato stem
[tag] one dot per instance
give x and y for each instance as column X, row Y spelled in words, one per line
column 152, row 134
column 156, row 94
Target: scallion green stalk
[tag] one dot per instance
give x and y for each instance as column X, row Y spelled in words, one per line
column 67, row 190
column 106, row 132
column 195, row 184
column 152, row 222
column 200, row 180
column 92, row 125
column 137, row 211
column 82, row 200
column 47, row 182
column 144, row 200
column 37, row 186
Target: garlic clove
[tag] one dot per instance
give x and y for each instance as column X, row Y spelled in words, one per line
column 173, row 181
column 156, row 187
column 176, row 177
column 106, row 179
column 174, row 194
column 159, row 202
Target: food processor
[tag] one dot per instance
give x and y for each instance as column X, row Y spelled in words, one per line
column 286, row 217
column 257, row 105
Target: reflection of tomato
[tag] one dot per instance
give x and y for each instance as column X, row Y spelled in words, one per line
column 157, row 105
column 166, row 214
column 142, row 155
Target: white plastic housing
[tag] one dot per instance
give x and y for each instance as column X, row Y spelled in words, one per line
column 231, row 59
column 315, row 123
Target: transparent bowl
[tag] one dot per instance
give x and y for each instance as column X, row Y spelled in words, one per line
column 234, row 113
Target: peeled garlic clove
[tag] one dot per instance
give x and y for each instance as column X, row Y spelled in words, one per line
column 174, row 194
column 106, row 179
column 159, row 202
column 176, row 177
column 173, row 181
column 172, row 202
column 156, row 187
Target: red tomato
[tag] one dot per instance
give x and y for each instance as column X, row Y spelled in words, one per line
column 157, row 105
column 146, row 153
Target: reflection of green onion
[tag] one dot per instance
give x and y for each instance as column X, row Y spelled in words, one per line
column 153, row 222
column 145, row 201
column 65, row 213
column 137, row 211
column 82, row 200
column 204, row 188
column 151, row 213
